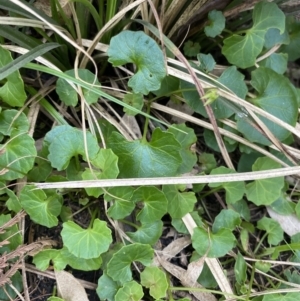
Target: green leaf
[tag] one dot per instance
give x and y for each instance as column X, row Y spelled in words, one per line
column 212, row 244
column 135, row 100
column 13, row 120
column 240, row 269
column 234, row 190
column 69, row 96
column 154, row 201
column 277, row 97
column 106, row 164
column 242, row 51
column 293, row 28
column 82, row 264
column 179, row 203
column 122, row 204
column 272, row 227
column 210, row 140
column 158, row 158
column 107, row 288
column 42, row 208
column 264, row 191
column 206, row 62
column 232, row 79
column 235, row 81
column 118, row 268
column 55, row 299
column 186, row 137
column 276, row 61
column 131, row 291
column 16, row 157
column 207, row 162
column 12, row 235
column 155, row 279
column 283, row 205
column 216, row 23
column 42, row 167
column 66, row 142
column 147, row 233
column 43, row 258
column 293, row 296
column 12, row 92
column 144, row 52
column 190, row 48
column 226, row 219
column 168, row 85
column 274, row 37
column 86, row 243
column 206, row 278
column 13, row 202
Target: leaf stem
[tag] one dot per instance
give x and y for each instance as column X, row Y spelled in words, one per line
column 144, row 139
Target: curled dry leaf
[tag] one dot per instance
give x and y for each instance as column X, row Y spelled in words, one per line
column 290, row 224
column 69, row 288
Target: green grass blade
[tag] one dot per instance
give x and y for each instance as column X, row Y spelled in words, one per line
column 26, row 58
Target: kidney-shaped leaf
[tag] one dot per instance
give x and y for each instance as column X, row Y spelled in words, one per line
column 66, row 142
column 179, row 203
column 41, row 208
column 118, row 268
column 275, row 232
column 86, row 243
column 155, row 279
column 216, row 23
column 264, row 191
column 213, row 244
column 243, row 50
column 158, row 158
column 69, row 96
column 12, row 120
column 16, row 157
column 143, row 51
column 131, row 291
column 147, row 233
column 154, row 201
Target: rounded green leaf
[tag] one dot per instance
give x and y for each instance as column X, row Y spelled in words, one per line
column 227, row 219
column 131, row 291
column 272, row 227
column 13, row 120
column 107, row 288
column 155, row 279
column 122, row 204
column 66, row 142
column 277, row 97
column 216, row 23
column 86, row 243
column 243, row 50
column 179, row 203
column 158, row 158
column 16, row 157
column 118, row 268
column 69, row 96
column 264, row 191
column 147, row 233
column 213, row 244
column 42, row 208
column 138, row 48
column 154, row 201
